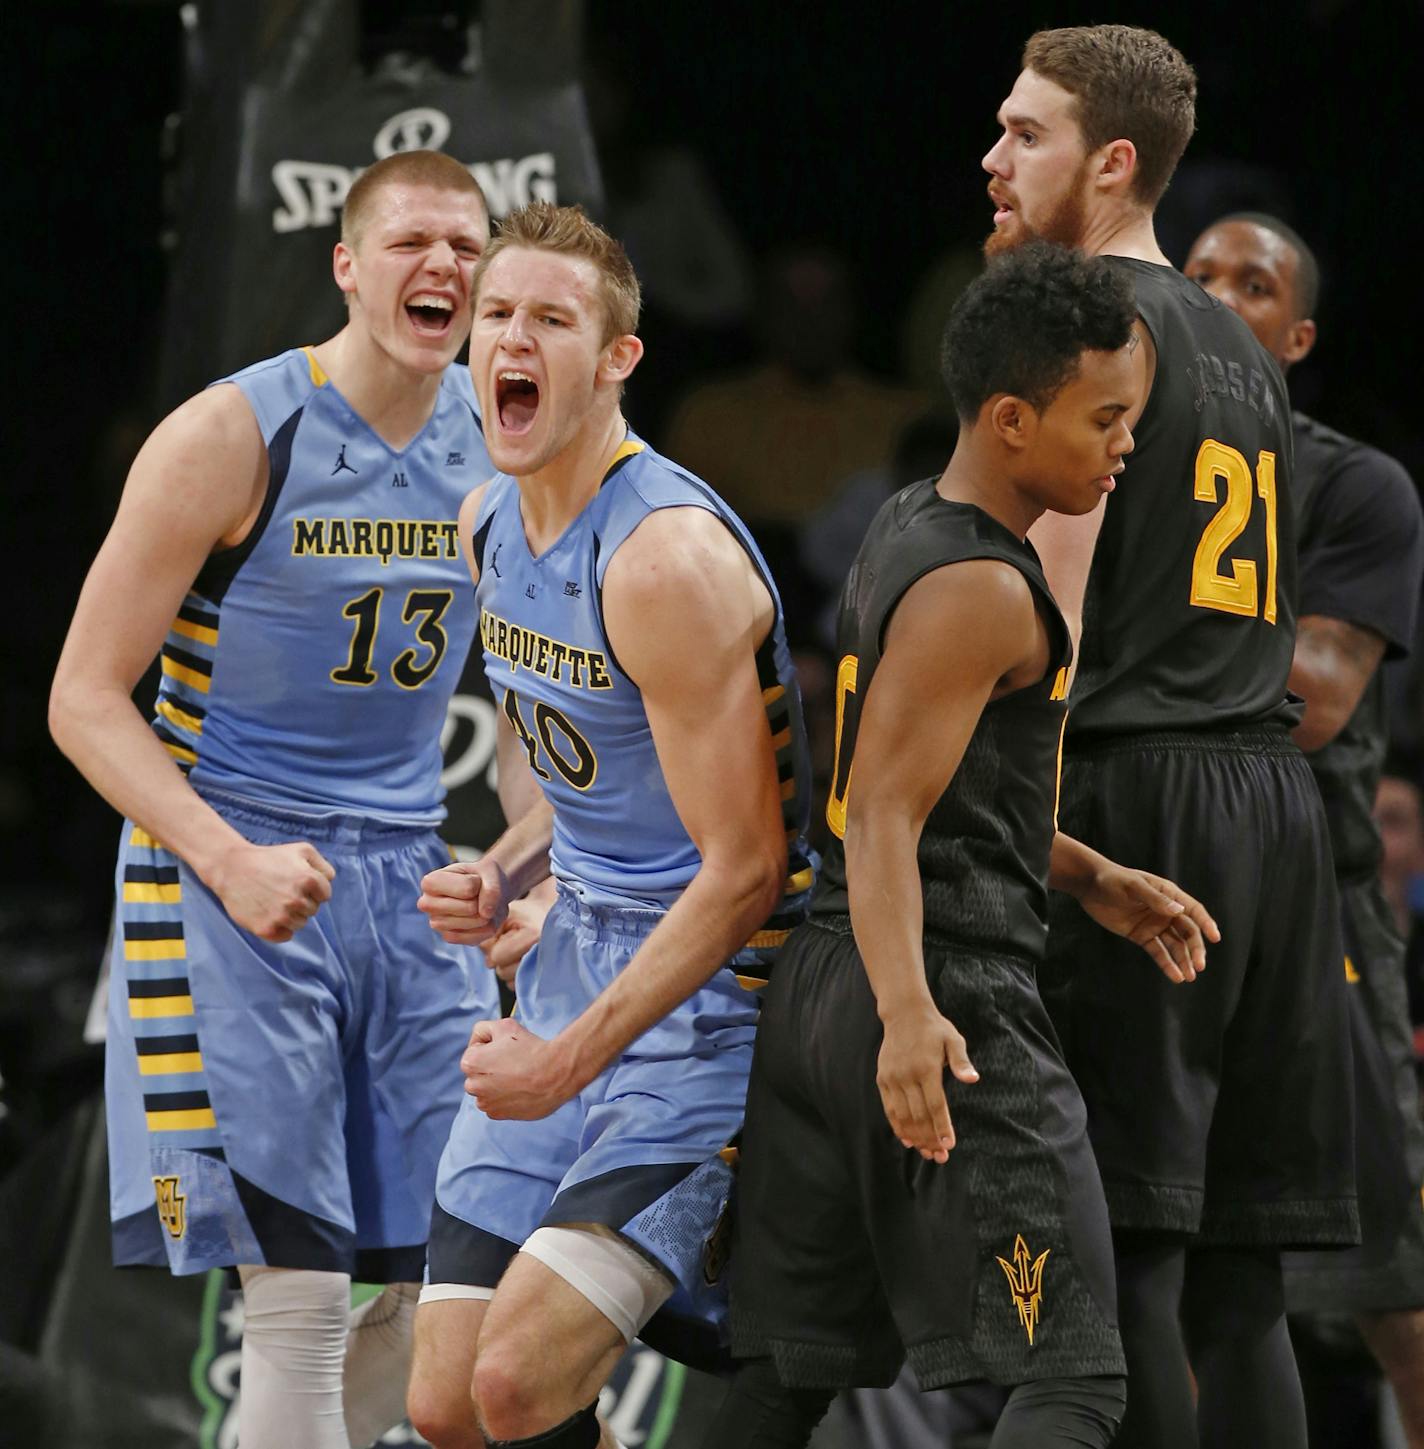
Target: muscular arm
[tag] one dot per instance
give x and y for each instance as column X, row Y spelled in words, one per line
column 1361, row 556
column 958, row 634
column 195, row 486
column 1334, row 662
column 685, row 613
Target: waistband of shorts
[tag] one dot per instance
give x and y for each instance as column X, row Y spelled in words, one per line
column 321, row 827
column 937, row 943
column 607, row 920
column 1261, row 739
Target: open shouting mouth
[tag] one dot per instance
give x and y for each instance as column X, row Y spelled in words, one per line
column 430, row 313
column 516, row 397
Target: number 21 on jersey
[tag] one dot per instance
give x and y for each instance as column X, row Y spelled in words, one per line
column 1233, row 591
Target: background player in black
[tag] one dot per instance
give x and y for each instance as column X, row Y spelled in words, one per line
column 1220, row 1117
column 854, row 1251
column 1361, row 560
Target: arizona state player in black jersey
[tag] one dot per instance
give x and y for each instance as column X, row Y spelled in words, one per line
column 1361, row 558
column 975, row 1245
column 1220, row 1117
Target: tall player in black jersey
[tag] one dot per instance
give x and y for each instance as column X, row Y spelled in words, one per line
column 1361, row 559
column 1220, row 1117
column 856, row 1246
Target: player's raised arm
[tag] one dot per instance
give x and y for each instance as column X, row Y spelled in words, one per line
column 195, row 487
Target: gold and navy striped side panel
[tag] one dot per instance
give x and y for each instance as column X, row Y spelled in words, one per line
column 792, row 776
column 187, row 663
column 176, row 1104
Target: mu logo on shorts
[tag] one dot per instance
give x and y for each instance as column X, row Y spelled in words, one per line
column 172, row 1205
column 1025, row 1283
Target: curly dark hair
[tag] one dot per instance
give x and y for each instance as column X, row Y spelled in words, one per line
column 1022, row 327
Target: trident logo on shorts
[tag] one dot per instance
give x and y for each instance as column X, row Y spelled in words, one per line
column 172, row 1205
column 1025, row 1283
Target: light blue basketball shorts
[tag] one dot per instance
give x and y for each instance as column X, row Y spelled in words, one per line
column 284, row 1104
column 637, row 1150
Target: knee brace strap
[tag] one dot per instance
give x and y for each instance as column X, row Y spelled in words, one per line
column 578, row 1431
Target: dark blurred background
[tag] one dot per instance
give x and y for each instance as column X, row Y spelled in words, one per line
column 799, row 186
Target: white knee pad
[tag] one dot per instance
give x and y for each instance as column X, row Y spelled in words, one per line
column 623, row 1284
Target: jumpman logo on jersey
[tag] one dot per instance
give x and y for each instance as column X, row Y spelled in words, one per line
column 341, row 464
column 494, row 561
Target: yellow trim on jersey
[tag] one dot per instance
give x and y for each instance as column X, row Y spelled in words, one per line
column 1058, row 769
column 146, row 1007
column 148, row 893
column 770, row 696
column 779, row 742
column 141, row 838
column 318, row 376
column 181, row 1121
column 170, row 1064
column 201, row 682
column 751, row 983
column 181, row 752
column 172, row 949
column 763, row 939
column 801, row 881
column 628, row 448
column 180, row 717
column 730, row 1155
column 1352, row 975
column 201, row 632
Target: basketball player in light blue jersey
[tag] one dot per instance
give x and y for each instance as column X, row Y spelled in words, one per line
column 284, row 1032
column 634, row 642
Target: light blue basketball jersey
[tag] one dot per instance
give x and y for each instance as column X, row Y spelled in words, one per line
column 311, row 666
column 618, row 840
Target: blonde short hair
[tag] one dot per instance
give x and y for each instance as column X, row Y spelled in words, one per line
column 569, row 231
column 410, row 168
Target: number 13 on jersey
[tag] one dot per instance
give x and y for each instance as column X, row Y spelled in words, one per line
column 1233, row 591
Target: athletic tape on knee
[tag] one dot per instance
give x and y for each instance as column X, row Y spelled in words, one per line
column 612, row 1274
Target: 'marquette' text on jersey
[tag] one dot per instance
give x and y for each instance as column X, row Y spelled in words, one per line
column 382, row 538
column 537, row 653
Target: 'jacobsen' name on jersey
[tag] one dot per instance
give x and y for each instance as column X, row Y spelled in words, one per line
column 527, row 649
column 382, row 538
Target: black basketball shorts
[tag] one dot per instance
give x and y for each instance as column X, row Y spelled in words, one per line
column 1386, row 1272
column 1222, row 1106
column 851, row 1253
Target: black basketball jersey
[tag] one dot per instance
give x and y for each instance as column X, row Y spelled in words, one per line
column 1189, row 616
column 1361, row 553
column 983, row 853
